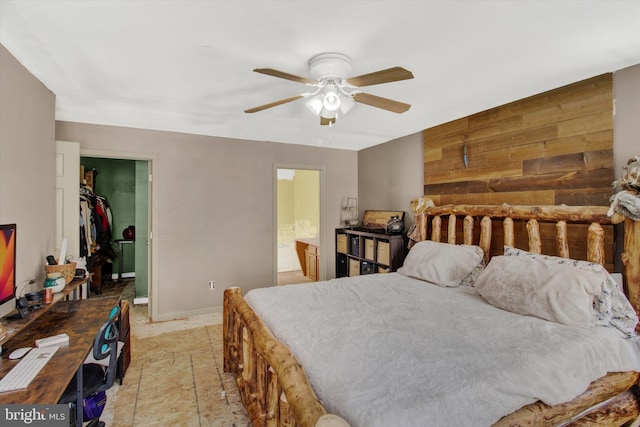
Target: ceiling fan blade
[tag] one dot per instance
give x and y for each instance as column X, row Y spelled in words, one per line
column 273, row 104
column 325, row 121
column 384, row 76
column 379, row 102
column 287, row 76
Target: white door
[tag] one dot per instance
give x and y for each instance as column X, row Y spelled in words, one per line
column 67, row 197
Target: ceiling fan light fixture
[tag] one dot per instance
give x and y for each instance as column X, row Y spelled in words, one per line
column 315, row 104
column 328, row 114
column 331, row 100
column 346, row 104
column 334, row 90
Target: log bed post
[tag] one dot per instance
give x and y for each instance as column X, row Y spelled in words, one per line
column 451, row 233
column 630, row 260
column 422, row 226
column 535, row 244
column 595, row 243
column 485, row 237
column 468, row 230
column 436, row 228
column 562, row 242
column 507, row 225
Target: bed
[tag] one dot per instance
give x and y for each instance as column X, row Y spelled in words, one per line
column 373, row 354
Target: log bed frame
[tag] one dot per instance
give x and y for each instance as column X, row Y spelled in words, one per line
column 276, row 391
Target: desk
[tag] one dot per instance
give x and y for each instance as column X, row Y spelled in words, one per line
column 81, row 320
column 121, row 243
column 16, row 325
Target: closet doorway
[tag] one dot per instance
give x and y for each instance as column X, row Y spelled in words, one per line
column 126, row 181
column 298, row 225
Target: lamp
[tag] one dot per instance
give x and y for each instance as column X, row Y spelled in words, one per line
column 315, row 103
column 331, row 99
column 351, row 212
column 346, row 104
column 328, row 114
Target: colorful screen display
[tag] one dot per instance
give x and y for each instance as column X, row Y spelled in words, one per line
column 7, row 262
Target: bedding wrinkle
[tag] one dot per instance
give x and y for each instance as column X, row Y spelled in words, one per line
column 456, row 347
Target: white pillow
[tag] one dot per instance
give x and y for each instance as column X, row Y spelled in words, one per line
column 442, row 264
column 611, row 306
column 561, row 293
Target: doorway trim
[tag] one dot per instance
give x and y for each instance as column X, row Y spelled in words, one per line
column 152, row 160
column 322, row 173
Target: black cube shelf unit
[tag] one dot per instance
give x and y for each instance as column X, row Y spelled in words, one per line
column 362, row 252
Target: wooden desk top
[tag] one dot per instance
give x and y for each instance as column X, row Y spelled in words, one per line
column 80, row 320
column 14, row 326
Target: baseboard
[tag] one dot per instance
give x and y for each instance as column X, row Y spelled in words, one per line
column 131, row 275
column 216, row 312
column 141, row 300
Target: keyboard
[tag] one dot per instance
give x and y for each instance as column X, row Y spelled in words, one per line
column 21, row 375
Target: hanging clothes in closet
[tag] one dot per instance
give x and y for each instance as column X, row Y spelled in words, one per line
column 95, row 233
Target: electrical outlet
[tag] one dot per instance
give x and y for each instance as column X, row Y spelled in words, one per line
column 212, row 285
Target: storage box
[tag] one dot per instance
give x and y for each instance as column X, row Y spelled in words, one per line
column 368, row 249
column 355, row 246
column 383, row 253
column 383, row 270
column 366, row 267
column 67, row 270
column 341, row 243
column 354, row 267
column 342, row 266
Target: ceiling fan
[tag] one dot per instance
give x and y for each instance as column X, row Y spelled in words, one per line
column 336, row 92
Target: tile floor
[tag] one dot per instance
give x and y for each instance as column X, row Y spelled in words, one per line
column 175, row 377
column 292, row 277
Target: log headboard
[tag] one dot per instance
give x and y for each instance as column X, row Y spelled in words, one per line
column 457, row 224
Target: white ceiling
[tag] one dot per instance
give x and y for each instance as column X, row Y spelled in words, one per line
column 187, row 66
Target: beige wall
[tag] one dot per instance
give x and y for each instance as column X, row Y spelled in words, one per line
column 626, row 119
column 216, row 207
column 390, row 175
column 27, row 167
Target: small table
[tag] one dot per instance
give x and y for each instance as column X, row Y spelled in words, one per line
column 121, row 243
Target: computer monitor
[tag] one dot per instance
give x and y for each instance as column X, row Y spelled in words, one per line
column 7, row 262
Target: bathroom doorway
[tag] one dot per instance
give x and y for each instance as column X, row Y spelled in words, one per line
column 298, row 225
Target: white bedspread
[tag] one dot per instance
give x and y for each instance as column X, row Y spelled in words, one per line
column 388, row 350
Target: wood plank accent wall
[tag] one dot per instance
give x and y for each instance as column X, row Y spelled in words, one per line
column 551, row 148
